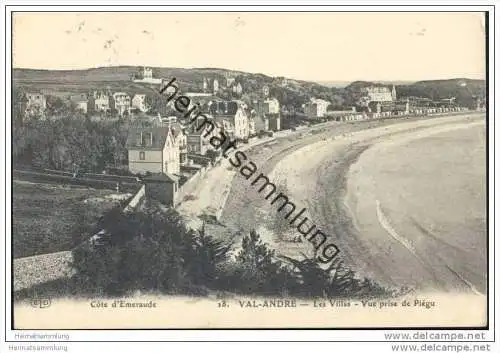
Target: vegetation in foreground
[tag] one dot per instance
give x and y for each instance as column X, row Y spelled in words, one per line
column 152, row 251
column 48, row 219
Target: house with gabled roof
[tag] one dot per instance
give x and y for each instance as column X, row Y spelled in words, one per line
column 180, row 139
column 35, row 103
column 232, row 117
column 153, row 149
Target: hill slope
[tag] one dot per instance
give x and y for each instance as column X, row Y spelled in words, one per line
column 293, row 92
column 289, row 92
column 465, row 90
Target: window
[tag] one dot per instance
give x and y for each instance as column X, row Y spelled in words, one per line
column 142, row 156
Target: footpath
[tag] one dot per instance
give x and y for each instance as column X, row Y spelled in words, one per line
column 213, row 189
column 211, row 195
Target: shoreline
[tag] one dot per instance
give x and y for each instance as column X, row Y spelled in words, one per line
column 269, row 153
column 333, row 158
column 413, row 247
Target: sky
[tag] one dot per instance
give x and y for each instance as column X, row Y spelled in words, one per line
column 310, row 46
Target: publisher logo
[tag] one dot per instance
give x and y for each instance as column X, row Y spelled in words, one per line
column 40, row 303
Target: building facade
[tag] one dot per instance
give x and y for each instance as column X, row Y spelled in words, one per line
column 316, row 108
column 145, row 75
column 99, row 102
column 196, row 144
column 237, row 89
column 268, row 110
column 180, row 139
column 379, row 93
column 35, row 103
column 258, row 123
column 268, row 106
column 216, row 86
column 231, row 117
column 274, row 122
column 121, row 102
column 229, row 80
column 147, row 72
column 152, row 149
column 139, row 101
column 162, row 187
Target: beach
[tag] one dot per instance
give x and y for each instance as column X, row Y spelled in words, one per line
column 404, row 204
column 419, row 201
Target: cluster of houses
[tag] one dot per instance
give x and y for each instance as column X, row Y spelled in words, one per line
column 121, row 103
column 317, row 108
column 231, row 85
column 170, row 133
column 379, row 102
column 169, row 148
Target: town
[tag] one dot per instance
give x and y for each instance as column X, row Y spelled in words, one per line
column 162, row 147
column 96, row 150
column 314, row 168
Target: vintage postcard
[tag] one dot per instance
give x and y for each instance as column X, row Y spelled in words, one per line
column 249, row 170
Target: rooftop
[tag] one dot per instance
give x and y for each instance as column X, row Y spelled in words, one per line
column 161, row 177
column 152, row 137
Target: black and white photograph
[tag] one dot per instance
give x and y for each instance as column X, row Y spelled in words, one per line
column 264, row 169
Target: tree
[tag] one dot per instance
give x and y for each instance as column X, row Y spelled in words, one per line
column 56, row 106
column 258, row 270
column 310, row 279
column 205, row 257
column 152, row 250
column 146, row 252
column 71, row 139
column 18, row 107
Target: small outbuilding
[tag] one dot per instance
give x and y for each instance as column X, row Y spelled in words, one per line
column 162, row 187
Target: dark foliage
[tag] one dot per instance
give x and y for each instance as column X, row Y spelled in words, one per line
column 69, row 142
column 153, row 251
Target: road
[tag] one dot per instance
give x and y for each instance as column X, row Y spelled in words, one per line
column 317, row 180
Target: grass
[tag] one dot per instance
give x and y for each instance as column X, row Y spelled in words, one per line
column 50, row 218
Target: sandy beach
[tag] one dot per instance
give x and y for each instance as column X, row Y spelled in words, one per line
column 354, row 181
column 419, row 201
column 356, row 203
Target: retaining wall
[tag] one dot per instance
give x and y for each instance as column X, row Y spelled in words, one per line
column 67, row 178
column 135, row 200
column 190, row 186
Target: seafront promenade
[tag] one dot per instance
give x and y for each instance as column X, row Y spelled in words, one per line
column 317, row 175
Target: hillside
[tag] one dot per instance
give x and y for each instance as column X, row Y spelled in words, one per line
column 59, row 82
column 465, row 90
column 459, row 87
column 288, row 91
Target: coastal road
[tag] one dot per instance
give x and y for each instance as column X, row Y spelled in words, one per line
column 377, row 237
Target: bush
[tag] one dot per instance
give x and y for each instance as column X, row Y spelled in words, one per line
column 147, row 252
column 153, row 251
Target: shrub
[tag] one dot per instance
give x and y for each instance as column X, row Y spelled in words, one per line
column 152, row 250
column 147, row 252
